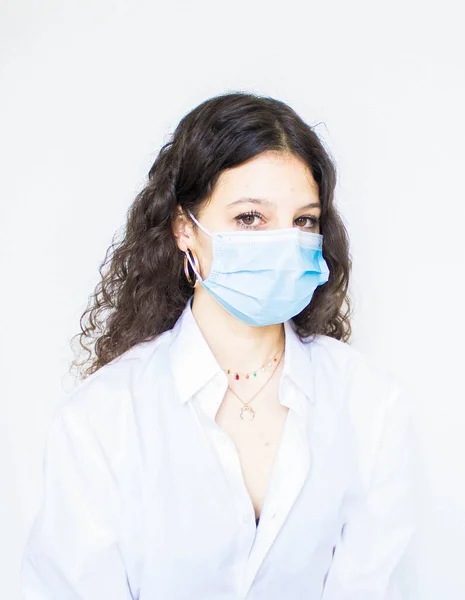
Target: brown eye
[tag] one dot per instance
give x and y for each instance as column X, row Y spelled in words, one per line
column 307, row 222
column 248, row 219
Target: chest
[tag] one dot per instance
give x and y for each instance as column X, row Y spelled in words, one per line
column 199, row 515
column 257, row 441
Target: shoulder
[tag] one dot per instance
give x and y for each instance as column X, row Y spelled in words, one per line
column 330, row 351
column 359, row 367
column 368, row 387
column 105, row 401
column 370, row 399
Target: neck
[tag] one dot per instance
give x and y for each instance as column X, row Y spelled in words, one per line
column 235, row 345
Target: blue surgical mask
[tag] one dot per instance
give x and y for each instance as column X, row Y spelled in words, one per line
column 264, row 277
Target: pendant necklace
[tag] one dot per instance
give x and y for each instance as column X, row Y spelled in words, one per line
column 247, row 412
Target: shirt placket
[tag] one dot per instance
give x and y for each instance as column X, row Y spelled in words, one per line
column 287, row 479
column 208, row 404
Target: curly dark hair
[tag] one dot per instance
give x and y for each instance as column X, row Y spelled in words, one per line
column 143, row 289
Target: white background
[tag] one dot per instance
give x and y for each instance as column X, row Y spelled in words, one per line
column 89, row 93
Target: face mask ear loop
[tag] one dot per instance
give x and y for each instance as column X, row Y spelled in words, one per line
column 199, row 224
column 191, row 262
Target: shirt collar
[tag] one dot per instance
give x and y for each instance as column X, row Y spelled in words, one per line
column 194, row 364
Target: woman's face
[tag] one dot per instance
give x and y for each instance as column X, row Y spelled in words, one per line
column 271, row 191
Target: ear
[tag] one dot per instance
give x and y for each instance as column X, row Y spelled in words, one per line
column 183, row 230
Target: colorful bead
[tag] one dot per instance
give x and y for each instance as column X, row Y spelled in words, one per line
column 254, row 373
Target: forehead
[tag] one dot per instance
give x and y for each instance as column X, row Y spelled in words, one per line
column 270, row 176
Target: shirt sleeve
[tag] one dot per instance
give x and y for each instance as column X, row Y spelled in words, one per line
column 73, row 550
column 382, row 522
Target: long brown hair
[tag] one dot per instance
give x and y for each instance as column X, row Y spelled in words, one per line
column 143, row 289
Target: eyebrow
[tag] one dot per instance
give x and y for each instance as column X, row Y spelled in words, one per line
column 270, row 203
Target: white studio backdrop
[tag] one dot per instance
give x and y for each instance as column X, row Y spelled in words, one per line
column 89, row 93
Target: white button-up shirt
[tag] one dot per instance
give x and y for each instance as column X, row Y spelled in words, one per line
column 144, row 496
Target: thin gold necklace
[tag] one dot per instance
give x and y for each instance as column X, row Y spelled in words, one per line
column 253, row 374
column 247, row 412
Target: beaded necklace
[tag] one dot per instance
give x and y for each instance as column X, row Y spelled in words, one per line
column 263, row 368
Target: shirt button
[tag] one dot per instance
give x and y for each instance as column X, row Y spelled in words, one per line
column 246, row 519
column 312, row 400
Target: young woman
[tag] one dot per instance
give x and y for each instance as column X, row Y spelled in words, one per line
column 226, row 441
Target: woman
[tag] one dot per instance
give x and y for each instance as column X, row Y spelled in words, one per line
column 226, row 441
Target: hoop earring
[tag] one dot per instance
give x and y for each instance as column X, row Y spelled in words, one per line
column 192, row 283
